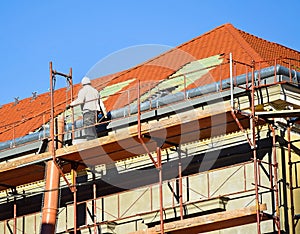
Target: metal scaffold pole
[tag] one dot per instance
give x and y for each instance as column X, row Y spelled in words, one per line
column 180, row 184
column 52, row 179
column 161, row 209
column 255, row 117
column 157, row 163
column 74, row 190
column 293, row 229
column 274, row 181
column 50, row 208
column 254, row 149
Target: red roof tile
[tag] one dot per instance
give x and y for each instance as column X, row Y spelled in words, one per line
column 29, row 115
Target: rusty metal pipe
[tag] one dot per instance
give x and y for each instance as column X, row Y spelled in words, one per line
column 255, row 163
column 49, row 211
column 61, row 129
column 180, row 185
column 139, row 128
column 15, row 215
column 71, row 99
column 293, row 231
column 74, row 175
column 94, row 203
column 276, row 189
column 139, row 108
column 158, row 151
column 52, row 146
column 276, row 184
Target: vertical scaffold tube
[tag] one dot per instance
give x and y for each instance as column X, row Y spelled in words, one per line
column 15, row 215
column 231, row 81
column 254, row 149
column 293, row 228
column 158, row 151
column 51, row 194
column 180, row 185
column 274, row 165
column 74, row 175
column 94, row 203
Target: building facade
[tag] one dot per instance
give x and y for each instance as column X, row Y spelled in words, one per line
column 202, row 139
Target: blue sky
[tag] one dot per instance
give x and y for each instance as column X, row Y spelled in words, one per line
column 79, row 34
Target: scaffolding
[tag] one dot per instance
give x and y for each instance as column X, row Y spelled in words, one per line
column 255, row 119
column 292, row 185
column 54, row 170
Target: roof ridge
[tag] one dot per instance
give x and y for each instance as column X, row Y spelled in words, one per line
column 243, row 43
column 175, row 48
column 165, row 53
column 270, row 42
column 204, row 34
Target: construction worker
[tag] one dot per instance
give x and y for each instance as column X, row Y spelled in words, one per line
column 91, row 104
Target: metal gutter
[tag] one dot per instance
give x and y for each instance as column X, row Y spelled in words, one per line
column 282, row 74
column 210, row 88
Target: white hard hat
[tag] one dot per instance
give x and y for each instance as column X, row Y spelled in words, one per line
column 85, row 80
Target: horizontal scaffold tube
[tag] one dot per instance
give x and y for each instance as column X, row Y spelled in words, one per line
column 168, row 99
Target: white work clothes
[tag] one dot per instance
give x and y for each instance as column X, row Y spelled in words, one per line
column 89, row 99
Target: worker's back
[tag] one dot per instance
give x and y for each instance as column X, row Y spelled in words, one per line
column 91, row 98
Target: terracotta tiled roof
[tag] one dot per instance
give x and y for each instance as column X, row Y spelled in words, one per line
column 268, row 50
column 28, row 115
